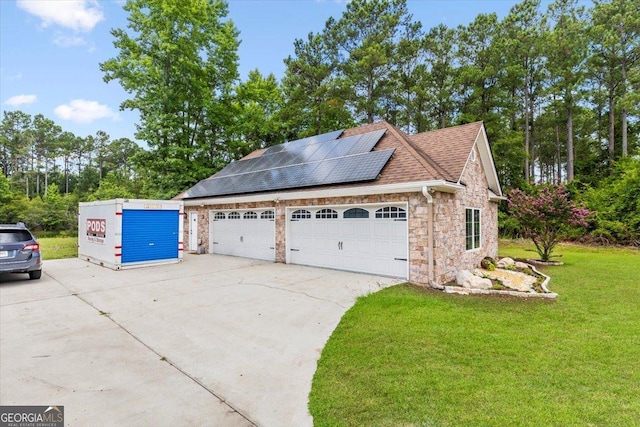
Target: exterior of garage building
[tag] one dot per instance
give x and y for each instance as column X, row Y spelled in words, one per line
column 423, row 207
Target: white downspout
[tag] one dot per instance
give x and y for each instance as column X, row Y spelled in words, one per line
column 426, row 193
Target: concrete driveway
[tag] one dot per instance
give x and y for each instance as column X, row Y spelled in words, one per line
column 214, row 340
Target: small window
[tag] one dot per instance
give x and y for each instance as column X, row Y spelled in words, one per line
column 267, row 215
column 218, row 216
column 391, row 212
column 356, row 213
column 472, row 225
column 326, row 213
column 250, row 215
column 234, row 215
column 301, row 214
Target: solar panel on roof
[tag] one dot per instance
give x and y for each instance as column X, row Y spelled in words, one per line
column 354, row 168
column 306, row 163
column 366, row 142
column 309, row 140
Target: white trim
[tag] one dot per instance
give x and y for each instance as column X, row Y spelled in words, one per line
column 486, row 160
column 365, row 190
column 493, row 197
column 472, row 234
column 344, row 205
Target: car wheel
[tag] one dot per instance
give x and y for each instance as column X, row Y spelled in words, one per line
column 35, row 274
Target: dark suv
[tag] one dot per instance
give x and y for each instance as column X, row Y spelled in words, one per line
column 19, row 251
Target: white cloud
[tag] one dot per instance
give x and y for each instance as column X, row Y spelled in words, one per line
column 64, row 41
column 21, row 100
column 78, row 15
column 83, row 111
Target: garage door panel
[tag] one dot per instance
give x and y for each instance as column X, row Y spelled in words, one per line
column 246, row 236
column 357, row 243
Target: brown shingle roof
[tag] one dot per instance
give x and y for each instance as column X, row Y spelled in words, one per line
column 431, row 155
column 448, row 147
column 428, row 156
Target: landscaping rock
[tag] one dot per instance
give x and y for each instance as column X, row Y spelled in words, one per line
column 466, row 279
column 506, row 262
column 481, row 283
column 463, row 278
column 521, row 265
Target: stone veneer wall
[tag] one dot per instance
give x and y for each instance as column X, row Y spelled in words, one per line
column 449, row 226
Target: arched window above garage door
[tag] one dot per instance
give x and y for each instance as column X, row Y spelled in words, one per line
column 218, row 216
column 326, row 213
column 267, row 215
column 301, row 214
column 250, row 215
column 391, row 212
column 234, row 215
column 356, row 213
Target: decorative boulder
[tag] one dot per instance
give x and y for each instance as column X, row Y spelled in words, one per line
column 521, row 265
column 466, row 279
column 506, row 262
column 481, row 283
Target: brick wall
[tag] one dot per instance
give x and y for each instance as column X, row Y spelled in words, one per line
column 449, row 227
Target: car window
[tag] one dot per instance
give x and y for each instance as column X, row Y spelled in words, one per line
column 14, row 236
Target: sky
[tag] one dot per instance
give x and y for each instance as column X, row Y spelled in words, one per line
column 50, row 50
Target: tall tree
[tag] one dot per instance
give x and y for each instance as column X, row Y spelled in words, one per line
column 567, row 54
column 408, row 75
column 313, row 102
column 366, row 36
column 101, row 143
column 45, row 139
column 440, row 51
column 258, row 102
column 480, row 68
column 178, row 60
column 520, row 42
column 615, row 35
column 15, row 145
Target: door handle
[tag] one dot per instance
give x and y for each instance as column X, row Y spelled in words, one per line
column 241, row 238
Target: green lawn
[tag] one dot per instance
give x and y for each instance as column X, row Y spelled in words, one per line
column 407, row 356
column 58, row 247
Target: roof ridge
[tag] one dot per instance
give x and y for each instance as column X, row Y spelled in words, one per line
column 426, row 161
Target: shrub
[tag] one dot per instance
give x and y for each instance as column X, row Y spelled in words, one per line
column 546, row 215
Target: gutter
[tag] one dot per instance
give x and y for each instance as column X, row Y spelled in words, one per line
column 426, row 192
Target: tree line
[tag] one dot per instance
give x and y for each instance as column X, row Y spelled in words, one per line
column 557, row 86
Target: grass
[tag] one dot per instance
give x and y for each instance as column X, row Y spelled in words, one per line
column 58, row 247
column 408, row 356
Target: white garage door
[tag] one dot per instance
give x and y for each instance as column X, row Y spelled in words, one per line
column 245, row 233
column 367, row 239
